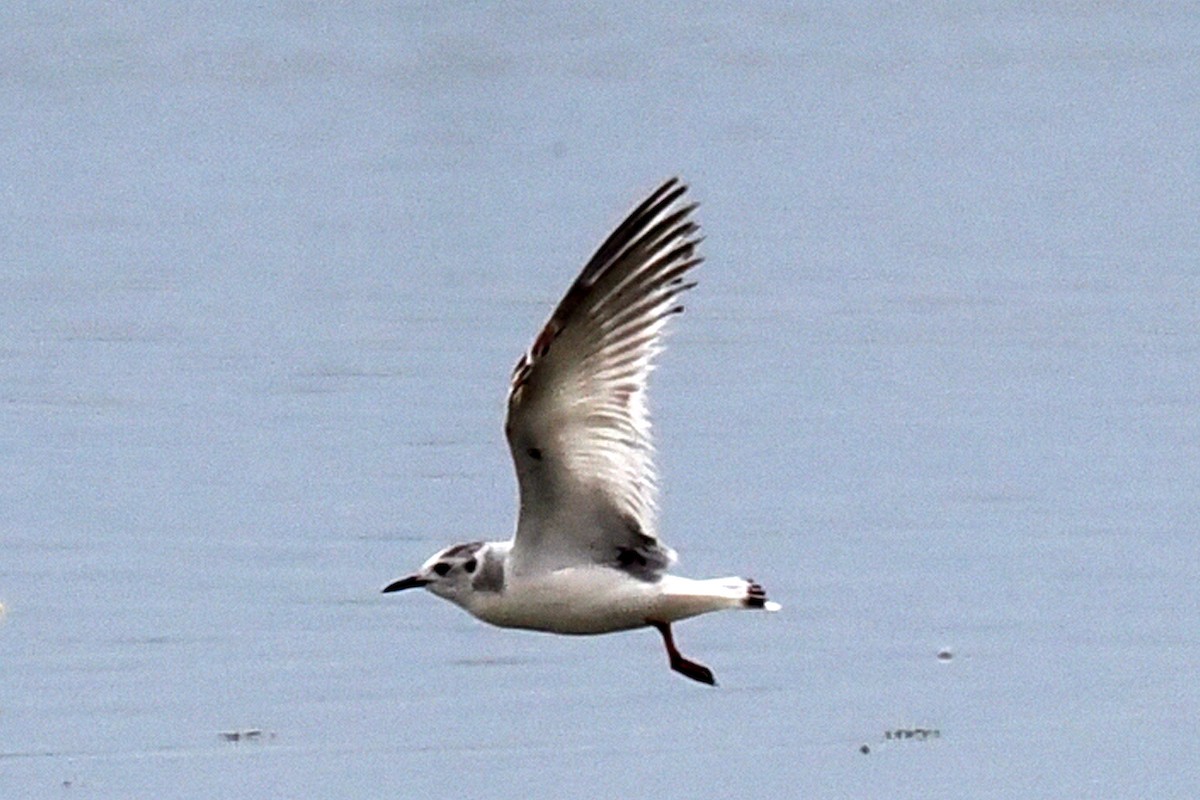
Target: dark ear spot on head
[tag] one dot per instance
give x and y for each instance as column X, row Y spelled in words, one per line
column 470, row 565
column 441, row 568
column 534, row 453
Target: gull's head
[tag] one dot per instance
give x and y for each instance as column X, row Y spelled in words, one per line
column 452, row 573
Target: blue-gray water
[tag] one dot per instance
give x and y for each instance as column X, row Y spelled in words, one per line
column 263, row 275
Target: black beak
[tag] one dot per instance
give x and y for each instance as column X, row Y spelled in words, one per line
column 411, row 582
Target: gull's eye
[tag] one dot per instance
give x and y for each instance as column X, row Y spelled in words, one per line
column 441, row 568
column 470, row 565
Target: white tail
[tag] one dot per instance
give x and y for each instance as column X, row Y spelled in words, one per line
column 685, row 597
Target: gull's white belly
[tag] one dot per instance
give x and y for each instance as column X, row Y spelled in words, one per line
column 594, row 599
column 578, row 600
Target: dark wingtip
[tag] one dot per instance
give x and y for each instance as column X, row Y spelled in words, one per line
column 671, row 183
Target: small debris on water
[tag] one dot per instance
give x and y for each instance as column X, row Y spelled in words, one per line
column 917, row 734
column 865, row 750
column 247, row 735
column 945, row 654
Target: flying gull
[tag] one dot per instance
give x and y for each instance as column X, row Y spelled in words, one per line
column 586, row 558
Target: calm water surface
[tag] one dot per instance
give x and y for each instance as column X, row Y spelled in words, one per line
column 262, row 281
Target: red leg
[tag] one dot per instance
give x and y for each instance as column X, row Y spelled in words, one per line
column 685, row 667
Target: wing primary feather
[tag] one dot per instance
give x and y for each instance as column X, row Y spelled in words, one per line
column 661, row 289
column 670, row 190
column 648, row 274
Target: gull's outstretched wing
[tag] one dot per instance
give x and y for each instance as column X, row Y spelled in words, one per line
column 577, row 420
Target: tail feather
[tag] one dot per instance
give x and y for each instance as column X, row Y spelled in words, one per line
column 756, row 597
column 684, row 597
